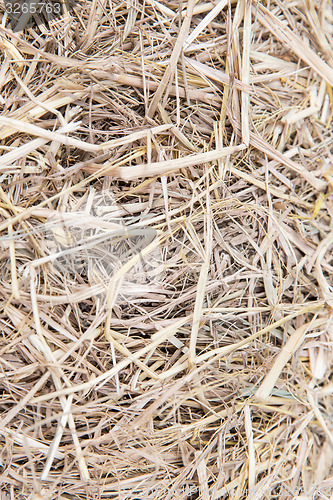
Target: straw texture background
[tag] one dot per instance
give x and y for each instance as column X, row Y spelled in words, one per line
column 166, row 238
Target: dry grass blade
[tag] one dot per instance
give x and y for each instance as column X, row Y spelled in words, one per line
column 201, row 290
column 205, row 22
column 246, row 72
column 163, row 88
column 292, row 344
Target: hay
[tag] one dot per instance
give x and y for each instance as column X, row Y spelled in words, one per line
column 166, row 251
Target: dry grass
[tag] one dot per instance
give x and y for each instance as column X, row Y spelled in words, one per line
column 166, row 209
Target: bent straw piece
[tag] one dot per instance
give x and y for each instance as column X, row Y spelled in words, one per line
column 163, row 88
column 53, row 449
column 12, row 53
column 38, row 103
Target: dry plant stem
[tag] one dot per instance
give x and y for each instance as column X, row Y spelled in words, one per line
column 30, row 112
column 160, row 168
column 52, row 453
column 15, row 289
column 293, row 343
column 246, row 72
column 96, row 13
column 320, row 418
column 163, row 88
column 9, row 158
column 201, row 290
column 202, row 476
column 134, row 81
column 325, row 288
column 205, row 22
column 251, row 448
column 199, row 302
column 67, row 141
column 175, row 130
column 110, row 335
column 33, row 444
column 259, row 143
column 261, row 184
column 218, row 75
column 162, row 8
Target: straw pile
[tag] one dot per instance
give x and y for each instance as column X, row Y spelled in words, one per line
column 166, row 252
